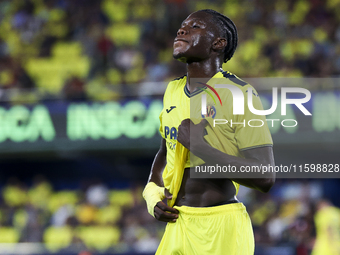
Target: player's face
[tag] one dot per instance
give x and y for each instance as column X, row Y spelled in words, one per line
column 195, row 38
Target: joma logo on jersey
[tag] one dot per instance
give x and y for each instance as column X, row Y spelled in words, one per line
column 172, row 132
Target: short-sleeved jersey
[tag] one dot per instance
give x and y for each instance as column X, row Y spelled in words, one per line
column 327, row 223
column 243, row 132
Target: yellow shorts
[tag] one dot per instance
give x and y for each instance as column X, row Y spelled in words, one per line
column 218, row 230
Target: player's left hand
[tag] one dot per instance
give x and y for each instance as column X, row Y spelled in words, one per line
column 188, row 130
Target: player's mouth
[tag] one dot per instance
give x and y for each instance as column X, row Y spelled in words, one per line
column 180, row 40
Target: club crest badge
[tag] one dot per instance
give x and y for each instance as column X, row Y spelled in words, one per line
column 211, row 112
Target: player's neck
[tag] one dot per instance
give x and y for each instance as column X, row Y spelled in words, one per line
column 204, row 70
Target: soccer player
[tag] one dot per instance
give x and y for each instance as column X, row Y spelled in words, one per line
column 204, row 215
column 327, row 224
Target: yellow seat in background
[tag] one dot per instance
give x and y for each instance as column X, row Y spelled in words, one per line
column 123, row 34
column 100, row 238
column 57, row 238
column 109, row 214
column 20, row 219
column 86, row 213
column 61, row 198
column 121, row 197
column 9, row 235
column 39, row 195
column 116, row 11
column 67, row 50
column 14, row 196
column 51, row 74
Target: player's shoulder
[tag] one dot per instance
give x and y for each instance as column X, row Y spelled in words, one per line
column 238, row 82
column 234, row 79
column 177, row 83
column 178, row 80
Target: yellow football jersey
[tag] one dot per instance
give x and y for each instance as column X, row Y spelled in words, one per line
column 242, row 132
column 327, row 223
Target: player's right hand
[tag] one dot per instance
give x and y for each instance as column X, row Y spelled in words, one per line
column 163, row 212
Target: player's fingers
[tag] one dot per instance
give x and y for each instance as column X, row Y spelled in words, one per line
column 185, row 122
column 164, row 216
column 204, row 122
column 160, row 215
column 165, row 207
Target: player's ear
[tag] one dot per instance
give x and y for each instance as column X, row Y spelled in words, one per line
column 219, row 44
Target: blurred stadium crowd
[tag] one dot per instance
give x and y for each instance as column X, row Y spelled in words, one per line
column 92, row 217
column 104, row 50
column 96, row 218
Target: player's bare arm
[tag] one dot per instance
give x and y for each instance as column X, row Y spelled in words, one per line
column 162, row 211
column 158, row 165
column 253, row 157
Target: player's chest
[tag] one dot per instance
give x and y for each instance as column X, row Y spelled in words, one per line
column 176, row 109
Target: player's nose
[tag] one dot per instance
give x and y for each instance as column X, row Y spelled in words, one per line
column 182, row 31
